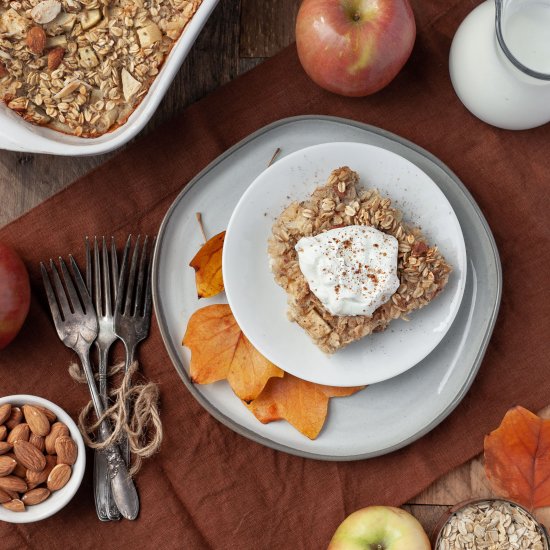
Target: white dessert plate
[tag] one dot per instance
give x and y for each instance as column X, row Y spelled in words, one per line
column 259, row 304
column 384, row 416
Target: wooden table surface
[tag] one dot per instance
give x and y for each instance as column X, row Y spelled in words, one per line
column 242, row 33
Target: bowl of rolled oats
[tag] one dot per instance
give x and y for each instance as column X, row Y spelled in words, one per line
column 490, row 524
column 83, row 77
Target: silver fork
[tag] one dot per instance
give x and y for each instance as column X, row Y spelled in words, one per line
column 133, row 309
column 77, row 326
column 105, row 279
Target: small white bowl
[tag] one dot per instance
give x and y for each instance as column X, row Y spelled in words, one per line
column 57, row 499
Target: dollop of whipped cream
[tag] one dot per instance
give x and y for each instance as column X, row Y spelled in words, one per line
column 352, row 269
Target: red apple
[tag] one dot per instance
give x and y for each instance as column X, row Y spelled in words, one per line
column 15, row 294
column 354, row 47
column 380, row 528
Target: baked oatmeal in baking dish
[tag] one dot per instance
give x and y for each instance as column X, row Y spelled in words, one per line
column 350, row 264
column 82, row 66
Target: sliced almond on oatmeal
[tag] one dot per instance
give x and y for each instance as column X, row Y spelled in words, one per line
column 45, row 11
column 89, row 19
column 149, row 34
column 67, row 89
column 64, row 21
column 130, row 86
column 56, row 41
column 88, row 57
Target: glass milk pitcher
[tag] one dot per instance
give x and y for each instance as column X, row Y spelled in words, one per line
column 500, row 63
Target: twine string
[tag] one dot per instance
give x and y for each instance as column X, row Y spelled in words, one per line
column 140, row 422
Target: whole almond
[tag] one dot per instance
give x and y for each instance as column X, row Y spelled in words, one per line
column 66, row 450
column 13, row 483
column 3, row 70
column 3, row 432
column 55, row 57
column 38, row 442
column 29, row 456
column 58, row 477
column 57, row 430
column 37, row 420
column 7, row 465
column 15, row 417
column 51, row 462
column 21, row 432
column 35, row 496
column 5, row 412
column 14, row 505
column 5, row 447
column 4, row 497
column 36, row 40
column 36, row 478
column 49, row 414
column 20, row 470
column 12, row 494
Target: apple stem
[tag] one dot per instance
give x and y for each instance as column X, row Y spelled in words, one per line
column 356, row 17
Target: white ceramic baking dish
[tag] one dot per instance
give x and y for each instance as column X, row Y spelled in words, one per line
column 19, row 135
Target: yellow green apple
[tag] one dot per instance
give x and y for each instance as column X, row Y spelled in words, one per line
column 380, row 528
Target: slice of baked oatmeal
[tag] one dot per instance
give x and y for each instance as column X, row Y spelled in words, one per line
column 421, row 269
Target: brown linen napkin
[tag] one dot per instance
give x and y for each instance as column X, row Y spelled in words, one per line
column 209, row 487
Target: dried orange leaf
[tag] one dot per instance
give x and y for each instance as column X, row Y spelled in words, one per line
column 517, row 458
column 207, row 264
column 219, row 351
column 302, row 404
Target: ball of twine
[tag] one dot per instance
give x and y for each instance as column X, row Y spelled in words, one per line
column 139, row 423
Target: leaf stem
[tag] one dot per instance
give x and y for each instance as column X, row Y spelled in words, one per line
column 198, row 215
column 275, row 154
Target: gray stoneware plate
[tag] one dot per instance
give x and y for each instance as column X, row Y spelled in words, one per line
column 385, row 416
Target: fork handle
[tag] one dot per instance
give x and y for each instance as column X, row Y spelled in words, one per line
column 123, row 488
column 130, row 348
column 105, row 506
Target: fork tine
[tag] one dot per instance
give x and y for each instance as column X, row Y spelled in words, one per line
column 83, row 291
column 106, row 279
column 88, row 266
column 120, row 292
column 114, row 267
column 52, row 301
column 148, row 289
column 60, row 292
column 98, row 299
column 71, row 290
column 131, row 279
column 139, row 302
